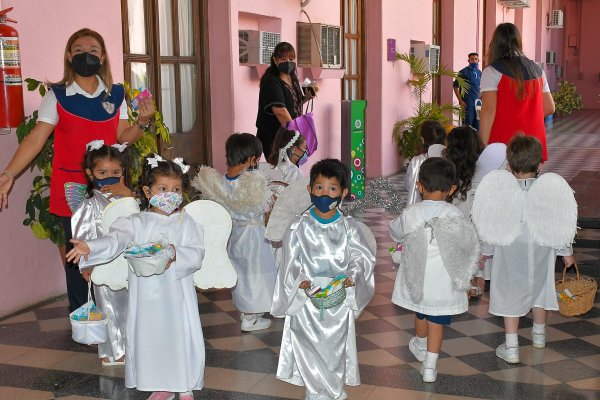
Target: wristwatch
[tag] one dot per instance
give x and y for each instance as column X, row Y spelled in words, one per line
column 143, row 127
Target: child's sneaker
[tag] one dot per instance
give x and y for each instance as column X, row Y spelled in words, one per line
column 162, row 396
column 254, row 322
column 428, row 370
column 416, row 350
column 508, row 354
column 186, row 396
column 539, row 339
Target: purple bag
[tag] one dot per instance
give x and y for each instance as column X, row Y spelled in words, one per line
column 305, row 124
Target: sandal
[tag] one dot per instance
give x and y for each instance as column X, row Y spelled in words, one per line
column 475, row 291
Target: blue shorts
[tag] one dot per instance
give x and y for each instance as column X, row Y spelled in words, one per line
column 436, row 319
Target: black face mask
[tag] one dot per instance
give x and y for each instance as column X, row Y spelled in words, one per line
column 286, row 67
column 85, row 64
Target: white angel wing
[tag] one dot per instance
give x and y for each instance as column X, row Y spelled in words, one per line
column 552, row 211
column 368, row 235
column 217, row 270
column 497, row 208
column 114, row 273
column 292, row 201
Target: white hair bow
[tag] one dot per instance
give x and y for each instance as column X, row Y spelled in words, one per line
column 94, row 145
column 153, row 161
column 120, row 147
column 179, row 161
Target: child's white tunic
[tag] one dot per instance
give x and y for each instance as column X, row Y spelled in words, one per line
column 522, row 274
column 321, row 354
column 165, row 346
column 440, row 297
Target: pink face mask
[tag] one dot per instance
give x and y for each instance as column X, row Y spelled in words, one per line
column 167, row 202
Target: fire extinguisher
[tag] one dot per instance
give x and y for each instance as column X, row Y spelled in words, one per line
column 11, row 83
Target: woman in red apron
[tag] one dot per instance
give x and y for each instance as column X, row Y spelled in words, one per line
column 514, row 92
column 83, row 106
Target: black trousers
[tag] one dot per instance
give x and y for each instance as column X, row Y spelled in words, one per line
column 77, row 287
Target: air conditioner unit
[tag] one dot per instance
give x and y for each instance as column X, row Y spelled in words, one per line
column 556, row 19
column 329, row 38
column 257, row 47
column 516, row 3
column 550, row 57
column 430, row 53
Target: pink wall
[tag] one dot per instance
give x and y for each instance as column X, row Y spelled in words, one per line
column 238, row 112
column 388, row 95
column 30, row 269
column 582, row 62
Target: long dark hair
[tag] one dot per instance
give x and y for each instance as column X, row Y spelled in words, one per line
column 282, row 138
column 463, row 151
column 281, row 50
column 91, row 158
column 149, row 176
column 507, row 47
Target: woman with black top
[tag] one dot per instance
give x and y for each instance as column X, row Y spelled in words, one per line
column 280, row 99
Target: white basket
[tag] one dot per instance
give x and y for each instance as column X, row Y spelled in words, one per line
column 150, row 265
column 88, row 332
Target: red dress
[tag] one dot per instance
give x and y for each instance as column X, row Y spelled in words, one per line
column 514, row 115
column 80, row 120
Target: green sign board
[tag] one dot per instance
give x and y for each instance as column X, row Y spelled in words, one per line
column 353, row 144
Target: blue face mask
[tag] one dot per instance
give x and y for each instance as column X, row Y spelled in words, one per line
column 99, row 183
column 303, row 159
column 473, row 65
column 325, row 203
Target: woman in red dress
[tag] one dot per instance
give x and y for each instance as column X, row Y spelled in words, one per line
column 83, row 106
column 514, row 91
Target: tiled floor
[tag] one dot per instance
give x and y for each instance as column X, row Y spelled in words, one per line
column 38, row 359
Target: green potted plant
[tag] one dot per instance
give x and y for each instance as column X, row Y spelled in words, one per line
column 405, row 133
column 566, row 99
column 45, row 225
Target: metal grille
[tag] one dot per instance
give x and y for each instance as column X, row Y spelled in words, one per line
column 243, row 39
column 268, row 41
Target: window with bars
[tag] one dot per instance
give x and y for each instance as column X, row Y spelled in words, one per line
column 352, row 84
column 163, row 44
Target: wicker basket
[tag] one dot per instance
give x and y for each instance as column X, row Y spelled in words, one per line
column 333, row 300
column 583, row 290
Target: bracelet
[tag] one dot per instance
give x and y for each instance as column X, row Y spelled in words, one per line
column 143, row 127
column 7, row 172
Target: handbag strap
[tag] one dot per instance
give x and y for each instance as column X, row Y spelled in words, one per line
column 89, row 298
column 311, row 102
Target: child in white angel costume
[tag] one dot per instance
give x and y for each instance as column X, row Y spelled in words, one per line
column 433, row 139
column 282, row 166
column 318, row 347
column 106, row 169
column 243, row 192
column 524, row 222
column 440, row 252
column 165, row 347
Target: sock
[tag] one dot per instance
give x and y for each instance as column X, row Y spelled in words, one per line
column 512, row 340
column 539, row 328
column 190, row 393
column 430, row 360
column 421, row 342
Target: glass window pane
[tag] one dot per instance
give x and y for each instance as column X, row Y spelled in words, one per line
column 346, row 16
column 353, row 16
column 347, row 56
column 137, row 31
column 354, row 56
column 167, row 91
column 354, row 91
column 139, row 75
column 188, row 96
column 186, row 28
column 165, row 28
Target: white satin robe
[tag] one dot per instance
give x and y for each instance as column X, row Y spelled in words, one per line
column 412, row 172
column 251, row 255
column 321, row 354
column 165, row 346
column 86, row 225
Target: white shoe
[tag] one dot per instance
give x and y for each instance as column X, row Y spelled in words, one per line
column 256, row 323
column 417, row 351
column 429, row 374
column 508, row 354
column 539, row 339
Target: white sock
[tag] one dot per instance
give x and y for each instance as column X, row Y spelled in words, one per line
column 430, row 360
column 421, row 342
column 190, row 393
column 539, row 328
column 512, row 340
